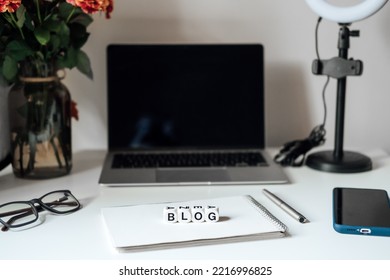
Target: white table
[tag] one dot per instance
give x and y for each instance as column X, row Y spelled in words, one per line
column 82, row 235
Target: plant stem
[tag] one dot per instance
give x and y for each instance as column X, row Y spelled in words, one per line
column 38, row 11
column 71, row 14
column 14, row 23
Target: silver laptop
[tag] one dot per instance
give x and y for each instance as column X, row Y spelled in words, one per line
column 182, row 114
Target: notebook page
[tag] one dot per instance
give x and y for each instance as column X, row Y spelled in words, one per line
column 144, row 225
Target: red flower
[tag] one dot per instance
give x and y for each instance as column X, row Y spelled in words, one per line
column 74, row 112
column 9, row 5
column 109, row 8
column 93, row 6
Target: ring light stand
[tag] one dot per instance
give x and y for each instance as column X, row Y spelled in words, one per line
column 338, row 160
column 339, row 67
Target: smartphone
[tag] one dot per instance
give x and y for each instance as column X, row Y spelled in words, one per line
column 361, row 211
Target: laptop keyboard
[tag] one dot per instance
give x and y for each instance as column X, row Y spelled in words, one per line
column 200, row 159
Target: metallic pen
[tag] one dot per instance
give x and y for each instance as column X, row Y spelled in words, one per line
column 284, row 206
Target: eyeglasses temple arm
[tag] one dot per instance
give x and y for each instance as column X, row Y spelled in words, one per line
column 28, row 211
column 39, row 208
column 15, row 212
column 14, row 218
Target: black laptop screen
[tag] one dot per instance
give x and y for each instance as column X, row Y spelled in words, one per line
column 185, row 96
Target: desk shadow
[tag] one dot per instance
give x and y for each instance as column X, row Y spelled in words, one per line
column 223, row 219
column 86, row 201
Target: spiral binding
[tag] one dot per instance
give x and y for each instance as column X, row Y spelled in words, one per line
column 266, row 213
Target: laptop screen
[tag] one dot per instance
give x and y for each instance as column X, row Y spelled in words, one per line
column 185, row 96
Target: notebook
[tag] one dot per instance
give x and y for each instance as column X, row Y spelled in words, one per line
column 186, row 114
column 142, row 227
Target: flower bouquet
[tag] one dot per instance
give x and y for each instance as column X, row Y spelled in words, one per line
column 38, row 40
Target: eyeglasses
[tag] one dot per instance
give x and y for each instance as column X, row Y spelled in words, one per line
column 20, row 213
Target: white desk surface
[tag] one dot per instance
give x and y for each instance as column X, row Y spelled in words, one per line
column 82, row 235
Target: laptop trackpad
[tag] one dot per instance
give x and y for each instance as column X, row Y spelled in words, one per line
column 192, row 175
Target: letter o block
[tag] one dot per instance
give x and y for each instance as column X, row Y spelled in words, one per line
column 198, row 215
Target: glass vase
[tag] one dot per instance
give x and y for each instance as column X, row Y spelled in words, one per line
column 40, row 125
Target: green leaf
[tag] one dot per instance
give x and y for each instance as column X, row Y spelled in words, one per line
column 52, row 25
column 10, row 68
column 21, row 16
column 42, row 35
column 66, row 11
column 18, row 50
column 84, row 64
column 54, row 43
column 83, row 19
column 79, row 35
column 64, row 35
column 28, row 22
column 69, row 60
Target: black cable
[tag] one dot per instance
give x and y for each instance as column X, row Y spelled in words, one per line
column 293, row 153
column 316, row 37
column 327, row 78
column 324, row 100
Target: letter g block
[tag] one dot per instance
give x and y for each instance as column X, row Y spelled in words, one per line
column 212, row 214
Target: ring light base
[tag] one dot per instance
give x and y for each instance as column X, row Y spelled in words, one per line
column 349, row 162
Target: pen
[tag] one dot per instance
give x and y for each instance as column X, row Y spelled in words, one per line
column 288, row 209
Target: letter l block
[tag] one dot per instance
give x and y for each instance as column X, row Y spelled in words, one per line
column 184, row 214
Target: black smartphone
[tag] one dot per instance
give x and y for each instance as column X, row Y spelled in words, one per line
column 361, row 211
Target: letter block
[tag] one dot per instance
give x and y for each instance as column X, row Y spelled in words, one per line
column 198, row 214
column 212, row 214
column 184, row 214
column 170, row 214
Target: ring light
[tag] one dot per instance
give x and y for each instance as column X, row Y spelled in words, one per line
column 346, row 14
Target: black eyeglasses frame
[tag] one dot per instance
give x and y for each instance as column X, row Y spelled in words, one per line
column 31, row 204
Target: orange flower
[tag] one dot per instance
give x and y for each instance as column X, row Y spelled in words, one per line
column 9, row 5
column 93, row 6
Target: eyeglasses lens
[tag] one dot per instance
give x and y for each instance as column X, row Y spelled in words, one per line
column 17, row 214
column 61, row 202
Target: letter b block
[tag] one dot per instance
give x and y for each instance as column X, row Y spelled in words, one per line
column 170, row 214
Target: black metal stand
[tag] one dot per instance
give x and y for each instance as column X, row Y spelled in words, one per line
column 338, row 160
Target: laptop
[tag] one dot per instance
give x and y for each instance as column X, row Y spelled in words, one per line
column 186, row 114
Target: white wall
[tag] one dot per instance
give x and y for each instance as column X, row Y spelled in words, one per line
column 286, row 28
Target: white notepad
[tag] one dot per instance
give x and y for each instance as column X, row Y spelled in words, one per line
column 142, row 227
